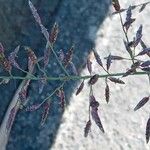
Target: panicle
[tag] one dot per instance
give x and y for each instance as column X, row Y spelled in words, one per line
column 87, row 128
column 54, row 33
column 45, row 112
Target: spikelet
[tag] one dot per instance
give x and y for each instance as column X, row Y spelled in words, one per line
column 38, row 20
column 11, row 118
column 1, row 48
column 46, row 55
column 145, row 64
column 54, row 33
column 7, row 65
column 42, row 82
column 34, row 12
column 129, row 72
column 109, row 61
column 138, row 37
column 144, row 51
column 116, row 5
column 141, row 103
column 33, row 107
column 115, row 57
column 116, row 80
column 129, row 20
column 98, row 59
column 87, row 128
column 80, row 88
column 147, row 134
column 23, row 95
column 96, row 118
column 89, row 63
column 45, row 112
column 143, row 7
column 31, row 55
column 61, row 94
column 12, row 57
column 107, row 93
column 93, row 79
column 68, row 57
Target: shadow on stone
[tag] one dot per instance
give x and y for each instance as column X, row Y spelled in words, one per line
column 79, row 22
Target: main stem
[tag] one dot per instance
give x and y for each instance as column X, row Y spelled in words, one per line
column 65, row 78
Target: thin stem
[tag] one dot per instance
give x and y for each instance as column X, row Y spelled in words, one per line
column 63, row 68
column 26, row 72
column 141, row 4
column 125, row 33
column 68, row 78
column 105, row 70
column 124, row 58
column 134, row 59
column 41, row 70
column 133, row 52
column 47, row 98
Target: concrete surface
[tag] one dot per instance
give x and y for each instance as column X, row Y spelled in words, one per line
column 125, row 129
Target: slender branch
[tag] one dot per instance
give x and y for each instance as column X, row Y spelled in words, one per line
column 48, row 97
column 105, row 70
column 125, row 33
column 121, row 20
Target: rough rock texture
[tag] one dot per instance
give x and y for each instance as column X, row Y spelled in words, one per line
column 125, row 129
column 79, row 22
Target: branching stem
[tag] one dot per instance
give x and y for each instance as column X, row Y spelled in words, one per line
column 59, row 62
